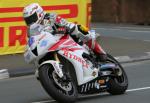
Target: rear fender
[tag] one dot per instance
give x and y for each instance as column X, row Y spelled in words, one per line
column 56, row 65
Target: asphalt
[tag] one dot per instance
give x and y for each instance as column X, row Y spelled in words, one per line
column 127, row 31
column 27, row 89
column 124, row 49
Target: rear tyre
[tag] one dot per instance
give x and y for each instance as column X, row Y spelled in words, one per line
column 117, row 84
column 62, row 91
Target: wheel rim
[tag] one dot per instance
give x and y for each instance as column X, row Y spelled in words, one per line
column 121, row 76
column 64, row 89
column 120, row 79
column 64, row 86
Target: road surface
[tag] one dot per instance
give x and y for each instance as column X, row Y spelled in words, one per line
column 27, row 89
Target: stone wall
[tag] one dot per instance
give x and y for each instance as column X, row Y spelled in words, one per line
column 121, row 11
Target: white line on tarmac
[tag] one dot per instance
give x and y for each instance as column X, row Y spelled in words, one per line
column 106, row 28
column 139, row 31
column 128, row 27
column 4, row 73
column 48, row 101
column 147, row 40
column 148, row 53
column 138, row 89
column 129, row 90
column 142, row 31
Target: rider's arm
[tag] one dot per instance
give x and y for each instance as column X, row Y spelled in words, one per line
column 79, row 31
column 58, row 21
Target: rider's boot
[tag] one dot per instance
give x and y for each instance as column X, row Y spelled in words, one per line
column 97, row 49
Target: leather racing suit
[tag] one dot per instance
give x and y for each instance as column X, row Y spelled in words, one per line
column 53, row 22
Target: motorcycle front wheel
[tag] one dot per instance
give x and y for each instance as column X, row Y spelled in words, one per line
column 117, row 84
column 60, row 90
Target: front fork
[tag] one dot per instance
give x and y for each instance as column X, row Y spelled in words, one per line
column 56, row 65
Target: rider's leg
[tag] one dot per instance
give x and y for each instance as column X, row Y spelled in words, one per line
column 97, row 49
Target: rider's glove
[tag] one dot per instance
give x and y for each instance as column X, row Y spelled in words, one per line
column 61, row 30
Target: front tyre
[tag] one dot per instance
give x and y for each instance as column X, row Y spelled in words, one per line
column 117, row 84
column 60, row 90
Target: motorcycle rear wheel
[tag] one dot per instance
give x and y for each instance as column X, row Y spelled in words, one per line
column 119, row 84
column 53, row 88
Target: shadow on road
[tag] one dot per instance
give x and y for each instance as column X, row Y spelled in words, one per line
column 82, row 98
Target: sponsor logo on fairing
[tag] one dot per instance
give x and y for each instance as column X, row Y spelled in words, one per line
column 43, row 43
column 31, row 41
column 75, row 57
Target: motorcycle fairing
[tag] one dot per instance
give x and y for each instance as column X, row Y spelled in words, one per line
column 73, row 52
column 66, row 47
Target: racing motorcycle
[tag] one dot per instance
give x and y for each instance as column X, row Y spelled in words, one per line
column 67, row 69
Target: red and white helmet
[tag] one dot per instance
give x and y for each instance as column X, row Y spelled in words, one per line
column 33, row 13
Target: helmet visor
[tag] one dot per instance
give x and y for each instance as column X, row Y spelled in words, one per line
column 31, row 19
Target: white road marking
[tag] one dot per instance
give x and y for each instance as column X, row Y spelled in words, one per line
column 147, row 40
column 142, row 31
column 48, row 101
column 139, row 31
column 129, row 90
column 123, row 58
column 4, row 74
column 148, row 53
column 127, row 38
column 132, row 27
column 138, row 89
column 18, row 78
column 106, row 28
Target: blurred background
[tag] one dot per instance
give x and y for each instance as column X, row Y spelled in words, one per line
column 121, row 11
column 124, row 26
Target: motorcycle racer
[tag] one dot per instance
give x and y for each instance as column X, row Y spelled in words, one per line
column 37, row 20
